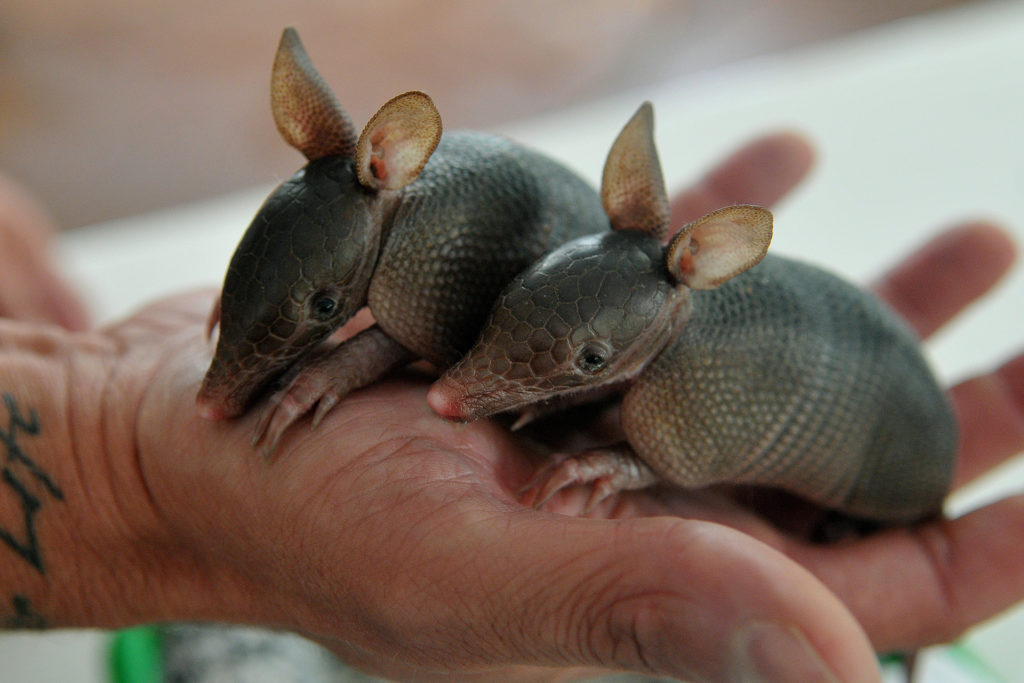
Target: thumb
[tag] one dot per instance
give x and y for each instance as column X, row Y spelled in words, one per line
column 676, row 597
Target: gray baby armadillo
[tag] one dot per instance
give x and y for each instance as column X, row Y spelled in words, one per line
column 423, row 229
column 737, row 367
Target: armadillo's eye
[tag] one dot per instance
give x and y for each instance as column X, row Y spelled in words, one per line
column 324, row 307
column 593, row 357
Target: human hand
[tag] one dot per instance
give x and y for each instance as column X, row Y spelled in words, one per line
column 395, row 538
column 671, row 584
column 30, row 288
column 388, row 534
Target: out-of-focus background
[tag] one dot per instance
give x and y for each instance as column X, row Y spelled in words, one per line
column 115, row 107
column 145, row 128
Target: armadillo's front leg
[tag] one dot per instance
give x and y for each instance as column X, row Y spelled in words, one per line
column 355, row 363
column 610, row 470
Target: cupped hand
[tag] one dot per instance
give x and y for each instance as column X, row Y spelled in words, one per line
column 396, row 539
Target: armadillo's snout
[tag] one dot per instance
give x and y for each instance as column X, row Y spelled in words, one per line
column 209, row 408
column 215, row 401
column 232, row 384
column 445, row 399
column 467, row 392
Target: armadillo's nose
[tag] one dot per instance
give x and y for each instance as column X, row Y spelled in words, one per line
column 209, row 409
column 214, row 404
column 446, row 400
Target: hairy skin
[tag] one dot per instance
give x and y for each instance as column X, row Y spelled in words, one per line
column 395, row 538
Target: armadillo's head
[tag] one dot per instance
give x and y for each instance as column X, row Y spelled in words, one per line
column 304, row 265
column 301, row 270
column 591, row 314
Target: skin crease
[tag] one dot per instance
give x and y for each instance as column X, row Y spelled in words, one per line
column 395, row 539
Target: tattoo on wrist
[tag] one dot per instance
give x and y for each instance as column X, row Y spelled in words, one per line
column 17, row 474
column 24, row 480
column 24, row 616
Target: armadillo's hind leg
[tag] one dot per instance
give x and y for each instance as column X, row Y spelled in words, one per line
column 609, row 470
column 326, row 379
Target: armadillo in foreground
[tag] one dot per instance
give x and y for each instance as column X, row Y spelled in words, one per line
column 424, row 229
column 735, row 369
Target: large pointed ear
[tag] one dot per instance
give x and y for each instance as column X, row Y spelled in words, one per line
column 724, row 243
column 632, row 188
column 396, row 143
column 305, row 110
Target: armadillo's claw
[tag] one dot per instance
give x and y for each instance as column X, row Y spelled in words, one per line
column 287, row 406
column 324, row 406
column 527, row 416
column 265, row 416
column 550, row 479
column 609, row 471
column 603, row 488
column 276, row 417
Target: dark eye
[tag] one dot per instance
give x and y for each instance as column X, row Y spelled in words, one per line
column 324, row 307
column 593, row 357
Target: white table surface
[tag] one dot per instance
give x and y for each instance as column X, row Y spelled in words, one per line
column 918, row 124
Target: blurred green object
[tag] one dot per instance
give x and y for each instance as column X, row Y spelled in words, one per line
column 971, row 664
column 136, row 656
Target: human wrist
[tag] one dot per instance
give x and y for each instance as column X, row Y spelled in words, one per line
column 81, row 544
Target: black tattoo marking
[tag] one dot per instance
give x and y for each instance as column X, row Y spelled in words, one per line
column 24, row 615
column 17, row 466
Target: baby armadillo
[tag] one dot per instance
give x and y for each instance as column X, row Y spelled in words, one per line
column 737, row 367
column 424, row 229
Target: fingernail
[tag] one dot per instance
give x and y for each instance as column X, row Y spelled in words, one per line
column 765, row 651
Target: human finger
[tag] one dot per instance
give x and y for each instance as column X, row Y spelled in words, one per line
column 30, row 287
column 663, row 596
column 990, row 412
column 761, row 173
column 950, row 271
column 910, row 588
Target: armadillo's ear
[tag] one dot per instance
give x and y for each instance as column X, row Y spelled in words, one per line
column 395, row 145
column 306, row 112
column 632, row 188
column 714, row 248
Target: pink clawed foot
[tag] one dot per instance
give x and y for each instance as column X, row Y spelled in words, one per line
column 288, row 405
column 325, row 379
column 609, row 471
